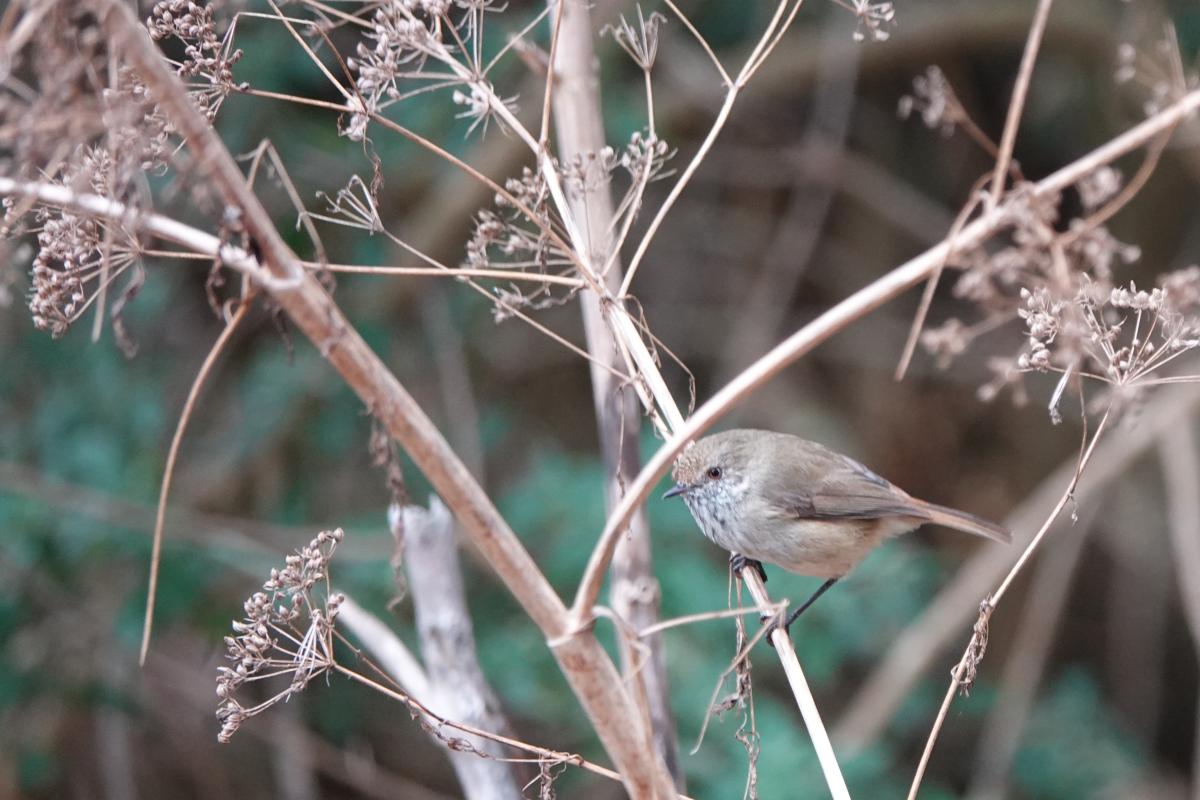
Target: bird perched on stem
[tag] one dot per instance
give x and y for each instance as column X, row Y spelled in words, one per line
column 776, row 498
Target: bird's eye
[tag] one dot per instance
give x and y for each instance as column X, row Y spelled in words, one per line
column 714, row 473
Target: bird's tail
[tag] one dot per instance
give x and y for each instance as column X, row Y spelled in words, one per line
column 969, row 523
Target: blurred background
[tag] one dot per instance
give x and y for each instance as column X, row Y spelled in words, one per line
column 815, row 188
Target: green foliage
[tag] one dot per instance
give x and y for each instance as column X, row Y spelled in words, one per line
column 1073, row 746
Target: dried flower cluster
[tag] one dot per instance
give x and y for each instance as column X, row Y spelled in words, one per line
column 91, row 125
column 524, row 230
column 77, row 255
column 1059, row 278
column 209, row 57
column 1078, row 318
column 517, row 233
column 934, row 99
column 1119, row 336
column 287, row 632
column 418, row 46
column 641, row 43
column 1158, row 70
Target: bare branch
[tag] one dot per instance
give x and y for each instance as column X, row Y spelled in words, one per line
column 1025, row 74
column 635, row 591
column 457, row 686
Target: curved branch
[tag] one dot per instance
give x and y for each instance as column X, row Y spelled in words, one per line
column 852, row 308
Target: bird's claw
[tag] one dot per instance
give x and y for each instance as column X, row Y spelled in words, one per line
column 771, row 628
column 738, row 562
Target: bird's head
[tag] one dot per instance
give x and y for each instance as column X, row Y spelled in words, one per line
column 713, row 471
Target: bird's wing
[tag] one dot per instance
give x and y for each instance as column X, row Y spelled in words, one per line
column 847, row 490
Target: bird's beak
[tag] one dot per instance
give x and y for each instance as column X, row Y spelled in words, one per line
column 675, row 491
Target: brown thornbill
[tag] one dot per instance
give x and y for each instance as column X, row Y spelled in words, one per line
column 773, row 497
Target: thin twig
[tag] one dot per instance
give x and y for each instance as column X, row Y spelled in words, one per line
column 708, row 616
column 1017, row 105
column 918, row 323
column 164, row 491
column 731, row 95
column 804, row 699
column 687, row 23
column 970, row 655
column 1030, row 650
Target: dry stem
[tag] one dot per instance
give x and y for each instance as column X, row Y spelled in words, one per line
column 1013, row 121
column 160, row 517
column 964, row 670
column 804, row 699
column 634, row 590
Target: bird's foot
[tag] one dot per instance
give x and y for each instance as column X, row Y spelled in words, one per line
column 738, row 562
column 773, row 619
column 792, row 617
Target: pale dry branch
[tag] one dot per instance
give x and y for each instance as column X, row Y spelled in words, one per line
column 457, row 687
column 801, row 692
column 635, row 591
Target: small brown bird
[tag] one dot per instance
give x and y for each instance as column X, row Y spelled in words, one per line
column 777, row 498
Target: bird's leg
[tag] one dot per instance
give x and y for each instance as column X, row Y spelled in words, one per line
column 792, row 617
column 738, row 562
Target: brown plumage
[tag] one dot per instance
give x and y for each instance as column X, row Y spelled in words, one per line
column 784, row 500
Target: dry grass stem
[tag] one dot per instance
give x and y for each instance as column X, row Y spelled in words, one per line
column 1016, row 106
column 160, row 516
column 963, row 674
column 1022, row 676
column 801, row 693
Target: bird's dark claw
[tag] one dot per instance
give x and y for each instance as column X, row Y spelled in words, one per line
column 771, row 628
column 738, row 562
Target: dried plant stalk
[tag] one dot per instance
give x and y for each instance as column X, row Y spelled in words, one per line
column 634, row 590
column 457, row 687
